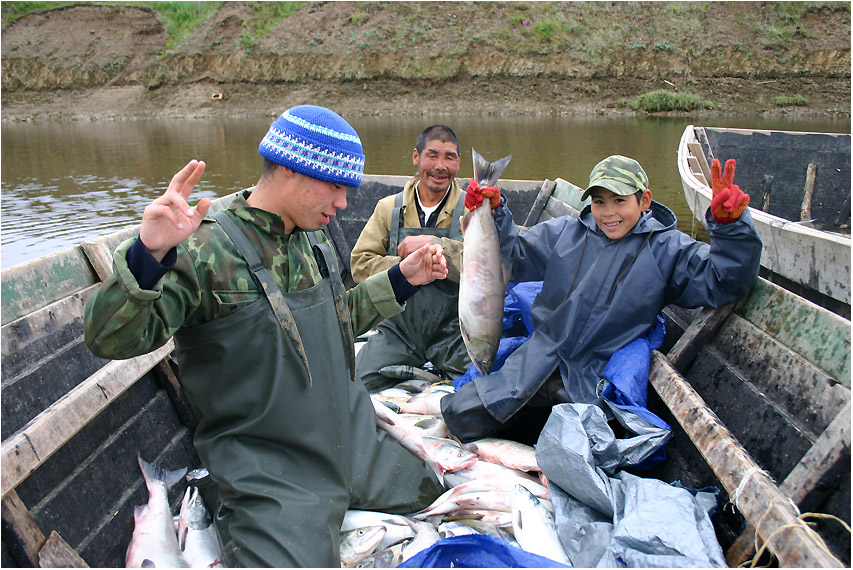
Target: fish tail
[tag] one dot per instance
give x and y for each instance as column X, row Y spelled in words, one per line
column 487, row 173
column 153, row 473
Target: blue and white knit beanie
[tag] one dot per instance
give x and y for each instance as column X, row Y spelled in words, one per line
column 316, row 142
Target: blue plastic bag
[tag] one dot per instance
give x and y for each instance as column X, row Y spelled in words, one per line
column 477, row 551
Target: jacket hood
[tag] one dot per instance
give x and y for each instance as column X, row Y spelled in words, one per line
column 657, row 218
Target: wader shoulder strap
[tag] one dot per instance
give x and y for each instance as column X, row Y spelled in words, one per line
column 267, row 284
column 324, row 256
column 396, row 224
column 456, row 216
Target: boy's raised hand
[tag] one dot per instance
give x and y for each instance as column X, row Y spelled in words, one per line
column 728, row 201
column 169, row 220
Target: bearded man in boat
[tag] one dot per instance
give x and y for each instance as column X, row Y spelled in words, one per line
column 264, row 338
column 427, row 211
column 606, row 276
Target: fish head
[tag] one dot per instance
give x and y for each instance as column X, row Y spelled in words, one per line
column 449, row 455
column 358, row 543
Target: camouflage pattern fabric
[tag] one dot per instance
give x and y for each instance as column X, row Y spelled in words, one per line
column 619, row 174
column 211, row 280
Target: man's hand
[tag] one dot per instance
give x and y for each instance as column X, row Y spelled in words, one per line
column 168, row 220
column 474, row 195
column 412, row 243
column 425, row 264
column 728, row 201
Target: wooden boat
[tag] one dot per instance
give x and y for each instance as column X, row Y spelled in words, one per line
column 757, row 393
column 799, row 187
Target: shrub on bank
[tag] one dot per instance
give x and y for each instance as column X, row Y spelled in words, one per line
column 795, row 101
column 663, row 100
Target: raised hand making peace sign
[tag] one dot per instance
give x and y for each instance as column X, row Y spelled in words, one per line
column 169, row 220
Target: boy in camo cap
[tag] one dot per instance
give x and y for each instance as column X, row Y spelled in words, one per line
column 606, row 277
column 263, row 335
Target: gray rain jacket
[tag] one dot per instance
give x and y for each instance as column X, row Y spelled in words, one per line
column 600, row 294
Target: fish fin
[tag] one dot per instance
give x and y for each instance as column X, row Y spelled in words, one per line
column 463, row 222
column 153, row 473
column 487, row 173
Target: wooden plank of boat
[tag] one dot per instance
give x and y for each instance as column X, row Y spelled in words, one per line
column 825, row 456
column 26, row 535
column 57, row 554
column 24, row 451
column 752, row 490
column 813, row 258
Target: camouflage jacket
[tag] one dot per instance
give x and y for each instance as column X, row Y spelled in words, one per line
column 209, row 280
column 370, row 253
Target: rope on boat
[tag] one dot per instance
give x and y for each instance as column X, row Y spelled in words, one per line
column 802, row 524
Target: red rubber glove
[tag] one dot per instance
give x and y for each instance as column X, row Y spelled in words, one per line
column 728, row 201
column 474, row 195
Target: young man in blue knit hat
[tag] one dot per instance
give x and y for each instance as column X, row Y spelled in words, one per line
column 263, row 334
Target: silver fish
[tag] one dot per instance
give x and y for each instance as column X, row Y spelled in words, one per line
column 506, row 452
column 482, row 285
column 196, row 534
column 440, row 455
column 154, row 542
column 397, row 527
column 534, row 527
column 406, row 372
column 359, row 543
column 425, row 536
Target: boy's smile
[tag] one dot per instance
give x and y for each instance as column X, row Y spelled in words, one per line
column 616, row 215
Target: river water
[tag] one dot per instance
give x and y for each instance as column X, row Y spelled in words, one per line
column 65, row 183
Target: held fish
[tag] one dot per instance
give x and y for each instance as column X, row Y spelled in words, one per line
column 154, row 542
column 197, row 536
column 482, row 284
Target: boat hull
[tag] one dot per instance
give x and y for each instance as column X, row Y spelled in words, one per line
column 771, row 374
column 816, row 259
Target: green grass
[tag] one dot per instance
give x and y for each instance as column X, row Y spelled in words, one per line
column 662, row 100
column 795, row 101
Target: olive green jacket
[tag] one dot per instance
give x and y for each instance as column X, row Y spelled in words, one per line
column 370, row 254
column 211, row 279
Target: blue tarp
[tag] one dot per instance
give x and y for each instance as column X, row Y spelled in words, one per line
column 477, row 551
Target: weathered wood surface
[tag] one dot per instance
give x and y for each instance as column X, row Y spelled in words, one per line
column 44, row 357
column 819, row 335
column 824, row 458
column 697, row 334
column 753, row 492
column 20, row 531
column 26, row 450
column 34, row 284
column 57, row 554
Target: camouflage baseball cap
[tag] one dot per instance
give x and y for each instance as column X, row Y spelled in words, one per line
column 619, row 174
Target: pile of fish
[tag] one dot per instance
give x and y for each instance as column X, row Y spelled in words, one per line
column 161, row 540
column 494, row 486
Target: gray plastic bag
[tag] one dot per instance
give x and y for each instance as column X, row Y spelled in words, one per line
column 607, row 517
